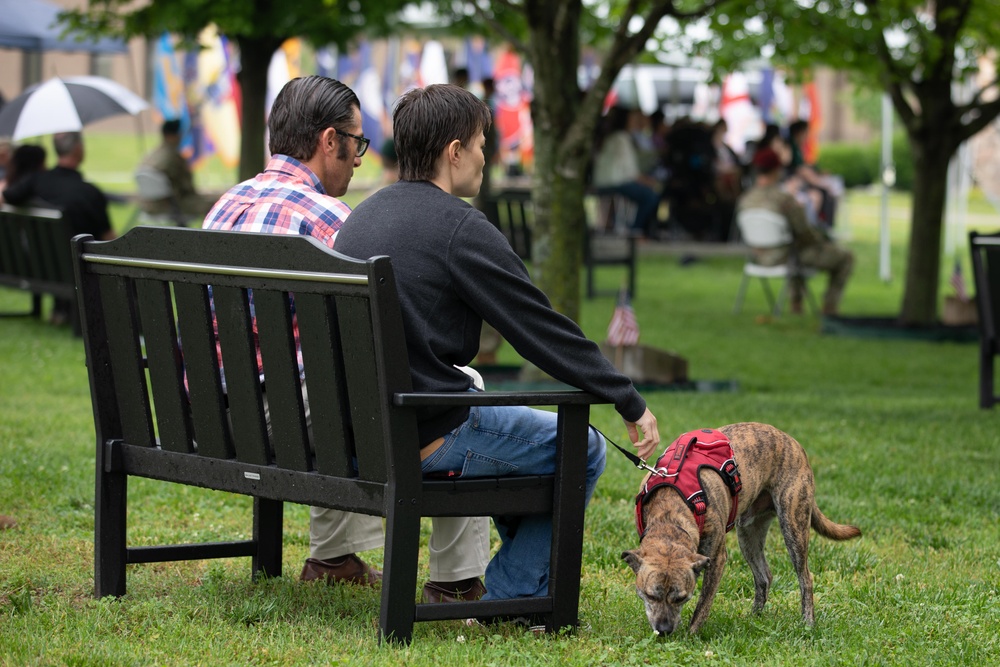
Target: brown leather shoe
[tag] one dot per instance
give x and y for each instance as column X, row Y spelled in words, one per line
column 347, row 569
column 6, row 522
column 465, row 590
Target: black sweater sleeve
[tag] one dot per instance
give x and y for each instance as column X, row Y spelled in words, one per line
column 492, row 279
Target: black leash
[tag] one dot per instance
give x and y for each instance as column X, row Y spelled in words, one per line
column 636, row 461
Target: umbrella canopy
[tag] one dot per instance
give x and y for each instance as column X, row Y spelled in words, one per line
column 33, row 25
column 66, row 105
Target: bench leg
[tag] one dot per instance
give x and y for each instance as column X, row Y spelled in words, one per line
column 267, row 532
column 986, row 386
column 567, row 519
column 399, row 574
column 110, row 549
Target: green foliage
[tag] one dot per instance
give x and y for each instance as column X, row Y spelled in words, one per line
column 892, row 428
column 857, row 164
column 860, row 164
column 320, row 21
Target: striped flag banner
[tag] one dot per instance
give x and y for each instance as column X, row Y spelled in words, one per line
column 623, row 329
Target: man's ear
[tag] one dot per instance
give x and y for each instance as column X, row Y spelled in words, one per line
column 327, row 140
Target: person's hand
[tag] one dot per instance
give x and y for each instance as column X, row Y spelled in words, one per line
column 650, row 436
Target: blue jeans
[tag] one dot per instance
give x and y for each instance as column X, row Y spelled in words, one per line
column 499, row 441
column 646, row 199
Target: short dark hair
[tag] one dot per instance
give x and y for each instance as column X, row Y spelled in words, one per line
column 25, row 160
column 796, row 127
column 303, row 109
column 426, row 120
column 170, row 127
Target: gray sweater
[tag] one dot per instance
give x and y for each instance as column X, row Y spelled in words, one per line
column 454, row 270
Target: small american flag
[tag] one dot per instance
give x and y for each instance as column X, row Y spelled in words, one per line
column 958, row 282
column 623, row 330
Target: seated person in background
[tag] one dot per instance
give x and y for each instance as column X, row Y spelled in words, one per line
column 184, row 201
column 811, row 245
column 617, row 170
column 24, row 161
column 63, row 187
column 820, row 186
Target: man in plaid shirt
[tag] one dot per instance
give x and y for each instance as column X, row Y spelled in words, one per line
column 316, row 144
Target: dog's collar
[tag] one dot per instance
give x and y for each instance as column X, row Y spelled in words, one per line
column 706, row 448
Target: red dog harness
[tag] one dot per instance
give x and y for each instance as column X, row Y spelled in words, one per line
column 679, row 466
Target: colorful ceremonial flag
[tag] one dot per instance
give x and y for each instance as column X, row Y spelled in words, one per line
column 168, row 81
column 958, row 282
column 811, row 149
column 624, row 329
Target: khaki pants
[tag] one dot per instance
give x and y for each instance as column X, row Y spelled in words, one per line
column 459, row 546
column 830, row 258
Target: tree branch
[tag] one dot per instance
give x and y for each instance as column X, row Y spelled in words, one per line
column 507, row 35
column 988, row 112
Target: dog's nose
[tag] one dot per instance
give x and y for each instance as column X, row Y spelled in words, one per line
column 665, row 627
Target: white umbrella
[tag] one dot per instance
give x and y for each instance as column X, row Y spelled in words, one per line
column 66, row 105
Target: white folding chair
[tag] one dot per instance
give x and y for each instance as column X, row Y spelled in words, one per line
column 153, row 185
column 763, row 228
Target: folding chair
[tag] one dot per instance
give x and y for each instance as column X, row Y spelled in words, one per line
column 763, row 228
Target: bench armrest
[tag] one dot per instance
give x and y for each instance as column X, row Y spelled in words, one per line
column 468, row 398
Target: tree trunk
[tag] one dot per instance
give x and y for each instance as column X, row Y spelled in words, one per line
column 932, row 146
column 560, row 225
column 255, row 57
column 560, row 153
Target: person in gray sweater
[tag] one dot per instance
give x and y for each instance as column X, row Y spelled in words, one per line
column 454, row 270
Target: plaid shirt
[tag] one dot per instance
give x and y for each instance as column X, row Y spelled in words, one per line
column 286, row 199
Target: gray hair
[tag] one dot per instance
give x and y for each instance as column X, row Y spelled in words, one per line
column 65, row 143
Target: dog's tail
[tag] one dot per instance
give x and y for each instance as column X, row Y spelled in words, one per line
column 831, row 530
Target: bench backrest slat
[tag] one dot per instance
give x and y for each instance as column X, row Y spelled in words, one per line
column 361, row 379
column 154, row 307
column 284, row 389
column 166, row 366
column 121, row 318
column 319, row 330
column 208, row 402
column 239, row 359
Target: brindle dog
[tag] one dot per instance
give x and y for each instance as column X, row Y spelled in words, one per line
column 777, row 481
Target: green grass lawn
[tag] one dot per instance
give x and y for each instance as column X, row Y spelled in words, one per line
column 892, row 428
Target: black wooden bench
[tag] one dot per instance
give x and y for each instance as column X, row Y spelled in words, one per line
column 35, row 257
column 146, row 296
column 986, row 273
column 511, row 212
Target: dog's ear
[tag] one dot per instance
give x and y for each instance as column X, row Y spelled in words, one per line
column 700, row 563
column 633, row 559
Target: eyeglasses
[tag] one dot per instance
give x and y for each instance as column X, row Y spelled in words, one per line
column 362, row 141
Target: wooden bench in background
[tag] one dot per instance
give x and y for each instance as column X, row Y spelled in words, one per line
column 986, row 272
column 35, row 257
column 163, row 414
column 511, row 211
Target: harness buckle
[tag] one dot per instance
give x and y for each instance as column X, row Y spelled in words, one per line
column 698, row 502
column 731, row 476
